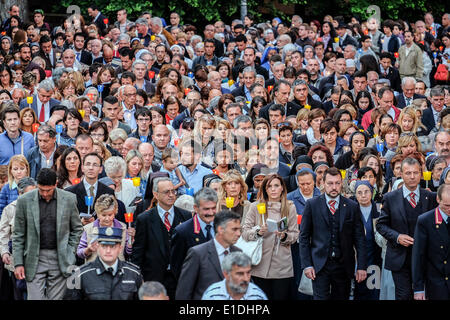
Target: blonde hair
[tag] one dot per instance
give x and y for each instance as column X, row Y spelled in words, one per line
column 405, row 140
column 106, row 152
column 303, row 114
column 106, row 202
column 410, row 112
column 20, row 159
column 350, row 108
column 230, row 176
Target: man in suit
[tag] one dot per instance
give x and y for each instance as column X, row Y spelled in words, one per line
column 282, row 89
column 430, row 116
column 154, row 228
column 327, row 241
column 92, row 168
column 248, row 79
column 344, row 38
column 203, row 264
column 98, row 18
column 41, row 156
column 388, row 71
column 197, row 230
column 431, row 251
column 81, row 55
column 48, row 53
column 397, row 223
column 43, row 253
column 42, row 101
column 408, row 94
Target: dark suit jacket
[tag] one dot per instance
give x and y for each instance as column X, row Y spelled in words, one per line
column 401, row 103
column 151, row 248
column 100, row 24
column 51, row 60
column 428, row 119
column 394, row 77
column 23, row 104
column 239, row 91
column 315, row 235
column 186, row 235
column 392, row 222
column 80, row 191
column 327, row 106
column 292, row 109
column 431, row 248
column 86, row 57
column 348, row 40
column 201, row 268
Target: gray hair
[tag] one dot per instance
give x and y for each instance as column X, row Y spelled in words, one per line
column 249, row 69
column 262, row 77
column 139, row 61
column 290, row 47
column 410, row 161
column 157, row 21
column 236, row 258
column 185, row 202
column 437, row 91
column 123, row 36
column 241, row 119
column 408, row 79
column 142, row 21
column 205, row 194
column 25, row 183
column 196, row 37
column 157, row 181
column 118, row 133
column 46, row 85
column 115, row 165
column 151, row 289
column 351, row 47
column 285, row 37
column 47, row 129
column 199, row 45
column 57, row 73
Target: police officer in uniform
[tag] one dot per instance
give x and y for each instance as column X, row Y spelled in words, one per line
column 106, row 278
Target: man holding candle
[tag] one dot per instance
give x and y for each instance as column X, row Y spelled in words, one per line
column 42, row 102
column 90, row 186
column 397, row 223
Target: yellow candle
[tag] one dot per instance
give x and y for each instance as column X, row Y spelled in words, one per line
column 82, row 112
column 336, row 39
column 261, row 207
column 152, row 38
column 427, row 175
column 343, row 172
column 230, row 82
column 136, row 181
column 229, row 201
column 29, row 100
column 307, row 106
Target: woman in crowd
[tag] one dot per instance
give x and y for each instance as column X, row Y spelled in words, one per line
column 172, row 108
column 318, row 152
column 358, row 140
column 313, row 134
column 256, row 105
column 106, row 208
column 329, row 132
column 27, row 119
column 435, row 164
column 135, row 163
column 274, row 274
column 410, row 123
column 72, row 121
column 364, row 103
column 69, row 171
column 117, row 137
column 116, row 169
column 18, row 168
column 203, row 133
column 233, row 185
column 224, row 101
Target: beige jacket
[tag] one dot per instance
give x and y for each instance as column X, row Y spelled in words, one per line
column 272, row 266
column 6, row 230
column 410, row 65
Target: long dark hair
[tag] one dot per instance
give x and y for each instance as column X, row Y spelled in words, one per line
column 263, row 197
column 63, row 174
column 75, row 114
column 333, row 33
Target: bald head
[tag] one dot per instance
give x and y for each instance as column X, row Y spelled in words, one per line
column 130, row 144
column 161, row 136
column 147, row 152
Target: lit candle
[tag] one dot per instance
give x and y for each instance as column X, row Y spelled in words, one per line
column 229, row 202
column 30, row 100
column 307, row 106
column 261, row 207
column 343, row 172
column 136, row 181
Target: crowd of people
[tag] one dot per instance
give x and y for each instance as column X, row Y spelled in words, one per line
column 279, row 160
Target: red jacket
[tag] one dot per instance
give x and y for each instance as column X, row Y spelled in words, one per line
column 366, row 121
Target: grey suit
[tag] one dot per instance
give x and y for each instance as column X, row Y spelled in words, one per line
column 26, row 235
column 201, row 268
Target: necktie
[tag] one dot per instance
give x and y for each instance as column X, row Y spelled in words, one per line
column 332, row 203
column 42, row 114
column 408, row 101
column 166, row 221
column 412, row 200
column 110, row 270
column 208, row 232
column 78, row 56
column 91, row 191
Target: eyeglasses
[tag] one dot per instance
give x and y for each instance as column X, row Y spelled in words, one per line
column 167, row 192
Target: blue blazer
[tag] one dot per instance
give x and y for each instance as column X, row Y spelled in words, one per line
column 298, row 199
column 23, row 104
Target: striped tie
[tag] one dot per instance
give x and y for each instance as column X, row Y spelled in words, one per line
column 332, row 203
column 166, row 221
column 412, row 200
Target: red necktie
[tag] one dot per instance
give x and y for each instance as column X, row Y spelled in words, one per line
column 412, row 200
column 166, row 221
column 332, row 204
column 42, row 114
